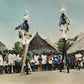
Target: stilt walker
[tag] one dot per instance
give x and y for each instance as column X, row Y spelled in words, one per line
column 63, row 23
column 24, row 35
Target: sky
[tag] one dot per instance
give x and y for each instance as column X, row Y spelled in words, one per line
column 43, row 18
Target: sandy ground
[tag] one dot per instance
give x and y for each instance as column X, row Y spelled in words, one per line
column 45, row 77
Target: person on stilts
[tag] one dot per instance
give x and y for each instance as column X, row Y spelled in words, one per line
column 25, row 36
column 63, row 24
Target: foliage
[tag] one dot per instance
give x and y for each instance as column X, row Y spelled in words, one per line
column 6, row 57
column 69, row 43
column 17, row 47
column 29, row 58
column 21, row 62
column 64, row 62
column 22, row 56
column 60, row 44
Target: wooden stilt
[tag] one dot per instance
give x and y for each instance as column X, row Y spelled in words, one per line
column 24, row 60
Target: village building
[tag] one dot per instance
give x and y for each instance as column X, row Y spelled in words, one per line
column 78, row 44
column 2, row 46
column 78, row 49
column 40, row 45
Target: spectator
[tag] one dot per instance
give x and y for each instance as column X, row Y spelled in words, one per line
column 36, row 56
column 44, row 61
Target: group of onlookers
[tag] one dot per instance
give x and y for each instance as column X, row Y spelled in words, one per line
column 77, row 59
column 11, row 61
column 45, row 61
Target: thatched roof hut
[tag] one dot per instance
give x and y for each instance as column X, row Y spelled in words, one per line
column 2, row 46
column 78, row 44
column 39, row 45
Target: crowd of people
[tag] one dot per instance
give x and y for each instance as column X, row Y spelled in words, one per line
column 11, row 61
column 45, row 61
column 77, row 59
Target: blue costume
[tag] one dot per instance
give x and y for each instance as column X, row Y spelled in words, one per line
column 69, row 59
column 58, row 58
column 23, row 26
column 66, row 18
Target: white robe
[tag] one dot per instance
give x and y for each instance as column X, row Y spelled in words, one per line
column 1, row 60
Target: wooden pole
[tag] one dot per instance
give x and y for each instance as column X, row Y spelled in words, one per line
column 24, row 60
column 27, row 66
column 65, row 54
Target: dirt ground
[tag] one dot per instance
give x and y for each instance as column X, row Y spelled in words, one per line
column 45, row 77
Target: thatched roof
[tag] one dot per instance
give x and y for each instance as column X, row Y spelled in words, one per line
column 39, row 45
column 78, row 44
column 2, row 46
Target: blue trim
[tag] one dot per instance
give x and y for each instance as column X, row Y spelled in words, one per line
column 66, row 18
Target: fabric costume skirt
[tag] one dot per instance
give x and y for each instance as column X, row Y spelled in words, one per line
column 65, row 27
column 24, row 36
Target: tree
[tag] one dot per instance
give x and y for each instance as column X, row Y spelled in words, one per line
column 60, row 44
column 17, row 47
column 69, row 43
column 6, row 57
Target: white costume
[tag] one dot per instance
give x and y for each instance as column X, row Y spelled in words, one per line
column 26, row 17
column 44, row 59
column 32, row 60
column 50, row 60
column 78, row 56
column 25, row 40
column 63, row 23
column 1, row 60
column 36, row 59
column 11, row 59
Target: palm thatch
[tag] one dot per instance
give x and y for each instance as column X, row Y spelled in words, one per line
column 2, row 46
column 78, row 44
column 39, row 45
